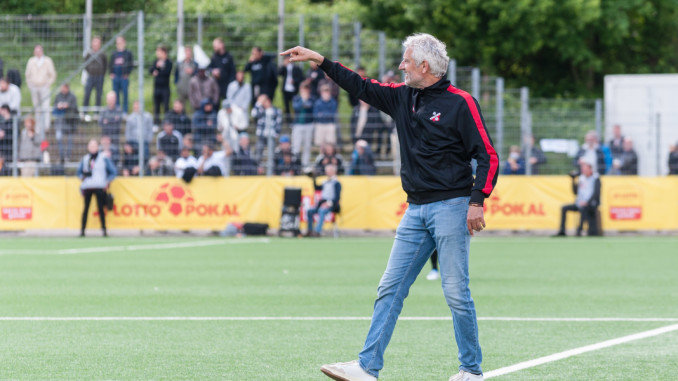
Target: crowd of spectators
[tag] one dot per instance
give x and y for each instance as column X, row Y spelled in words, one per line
column 215, row 111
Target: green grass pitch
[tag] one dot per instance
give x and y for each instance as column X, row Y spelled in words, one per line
column 634, row 277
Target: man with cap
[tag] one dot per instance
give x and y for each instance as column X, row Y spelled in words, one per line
column 286, row 163
column 586, row 186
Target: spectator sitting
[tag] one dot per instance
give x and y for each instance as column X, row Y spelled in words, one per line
column 617, row 142
column 187, row 142
column 328, row 155
column 587, row 190
column 591, row 152
column 302, row 129
column 325, row 118
column 362, row 160
column 231, row 120
column 29, row 148
column 243, row 164
column 178, row 118
column 537, row 157
column 160, row 165
column 109, row 150
column 186, row 165
column 203, row 87
column 130, row 160
column 122, row 63
column 223, row 67
column 329, row 200
column 161, row 71
column 239, row 92
column 262, row 73
column 169, row 141
column 515, row 164
column 626, row 163
column 210, row 164
column 269, row 122
column 65, row 120
column 139, row 124
column 185, row 70
column 110, row 120
column 96, row 70
column 205, row 123
column 6, row 132
column 673, row 159
column 286, row 163
column 10, row 95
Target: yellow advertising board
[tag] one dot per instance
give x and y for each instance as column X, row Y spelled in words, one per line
column 517, row 203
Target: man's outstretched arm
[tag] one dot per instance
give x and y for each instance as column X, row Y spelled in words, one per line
column 383, row 96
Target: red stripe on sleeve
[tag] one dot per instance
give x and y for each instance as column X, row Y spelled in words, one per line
column 494, row 159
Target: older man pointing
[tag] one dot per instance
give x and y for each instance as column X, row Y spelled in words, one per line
column 440, row 129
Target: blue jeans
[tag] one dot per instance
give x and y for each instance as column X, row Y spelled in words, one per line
column 439, row 225
column 321, row 212
column 120, row 85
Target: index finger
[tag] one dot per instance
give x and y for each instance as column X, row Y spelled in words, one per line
column 287, row 52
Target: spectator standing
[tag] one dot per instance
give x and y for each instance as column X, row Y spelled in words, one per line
column 96, row 70
column 96, row 172
column 160, row 165
column 617, row 142
column 205, row 124
column 330, row 194
column 328, row 155
column 178, row 118
column 292, row 76
column 315, row 75
column 111, row 119
column 325, row 118
column 591, row 152
column 185, row 163
column 65, row 120
column 121, row 63
column 239, row 92
column 269, row 123
column 40, row 75
column 222, row 66
column 139, row 124
column 626, row 163
column 185, row 70
column 6, row 132
column 10, row 95
column 673, row 159
column 203, row 87
column 362, row 160
column 263, row 73
column 231, row 121
column 161, row 71
column 515, row 164
column 537, row 157
column 285, row 162
column 169, row 141
column 210, row 164
column 302, row 129
column 243, row 163
column 29, row 148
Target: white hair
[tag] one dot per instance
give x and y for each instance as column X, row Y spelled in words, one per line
column 428, row 48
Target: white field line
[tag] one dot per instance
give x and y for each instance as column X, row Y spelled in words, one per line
column 150, row 246
column 580, row 350
column 312, row 318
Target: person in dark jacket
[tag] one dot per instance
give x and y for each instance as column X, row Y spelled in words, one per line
column 626, row 163
column 6, row 132
column 330, row 196
column 243, row 163
column 591, row 152
column 96, row 70
column 362, row 160
column 440, row 129
column 329, row 155
column 205, row 124
column 285, row 162
column 122, row 63
column 65, row 120
column 169, row 141
column 96, row 172
column 302, row 129
column 537, row 157
column 178, row 118
column 263, row 74
column 586, row 186
column 515, row 164
column 161, row 71
column 616, row 144
column 222, row 67
column 673, row 159
column 315, row 76
column 292, row 76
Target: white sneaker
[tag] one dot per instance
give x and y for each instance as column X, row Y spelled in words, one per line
column 466, row 376
column 346, row 371
column 433, row 274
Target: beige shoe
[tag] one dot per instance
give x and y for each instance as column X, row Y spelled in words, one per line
column 466, row 376
column 347, row 371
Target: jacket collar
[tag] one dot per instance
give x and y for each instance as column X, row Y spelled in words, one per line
column 437, row 87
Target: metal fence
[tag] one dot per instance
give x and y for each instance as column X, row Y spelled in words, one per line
column 510, row 114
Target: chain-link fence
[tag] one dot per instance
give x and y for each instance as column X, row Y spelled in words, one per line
column 63, row 132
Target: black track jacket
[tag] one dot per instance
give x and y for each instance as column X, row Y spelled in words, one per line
column 440, row 129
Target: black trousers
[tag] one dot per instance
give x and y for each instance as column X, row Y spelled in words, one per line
column 95, row 82
column 161, row 96
column 287, row 101
column 434, row 260
column 101, row 199
column 587, row 214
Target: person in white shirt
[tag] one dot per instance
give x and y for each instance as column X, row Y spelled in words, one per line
column 231, row 121
column 10, row 95
column 211, row 164
column 185, row 165
column 40, row 76
column 239, row 92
